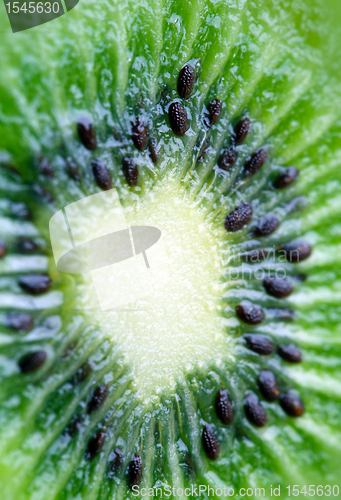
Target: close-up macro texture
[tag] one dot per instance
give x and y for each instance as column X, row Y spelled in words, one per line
column 217, row 125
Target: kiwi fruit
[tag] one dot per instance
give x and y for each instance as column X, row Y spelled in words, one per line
column 218, row 123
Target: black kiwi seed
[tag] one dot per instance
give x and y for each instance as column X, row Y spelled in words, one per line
column 86, row 133
column 69, row 350
column 152, row 151
column 259, row 343
column 74, row 427
column 214, row 111
column 178, row 118
column 301, row 276
column 72, row 169
column 96, row 444
column 35, row 284
column 83, row 373
column 288, row 177
column 186, row 81
column 296, row 250
column 250, row 313
column 296, row 204
column 267, row 384
column 19, row 321
column 239, row 217
column 241, row 130
column 291, row 404
column 189, row 468
column 32, row 361
column 254, row 411
column 116, row 460
column 255, row 162
column 3, row 249
column 210, row 443
column 101, row 174
column 224, row 407
column 255, row 255
column 135, row 471
column 139, row 133
column 227, row 158
column 278, row 287
column 290, row 353
column 98, row 397
column 130, row 171
column 267, row 225
column 27, row 245
column 203, row 150
column 45, row 167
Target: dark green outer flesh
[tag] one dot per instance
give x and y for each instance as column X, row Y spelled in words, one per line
column 273, row 60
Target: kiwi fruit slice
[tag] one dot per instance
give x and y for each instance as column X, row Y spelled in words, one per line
column 219, row 124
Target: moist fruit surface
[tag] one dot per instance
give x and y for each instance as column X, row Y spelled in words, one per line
column 219, row 124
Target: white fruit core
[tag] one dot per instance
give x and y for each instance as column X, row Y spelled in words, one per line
column 173, row 324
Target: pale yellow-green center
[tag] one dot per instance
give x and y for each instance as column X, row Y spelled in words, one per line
column 177, row 327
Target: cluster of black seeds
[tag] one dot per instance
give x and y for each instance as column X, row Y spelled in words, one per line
column 229, row 156
column 252, row 314
column 261, row 344
column 32, row 284
column 177, row 113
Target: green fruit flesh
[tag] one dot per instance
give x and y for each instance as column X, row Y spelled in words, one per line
column 162, row 363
